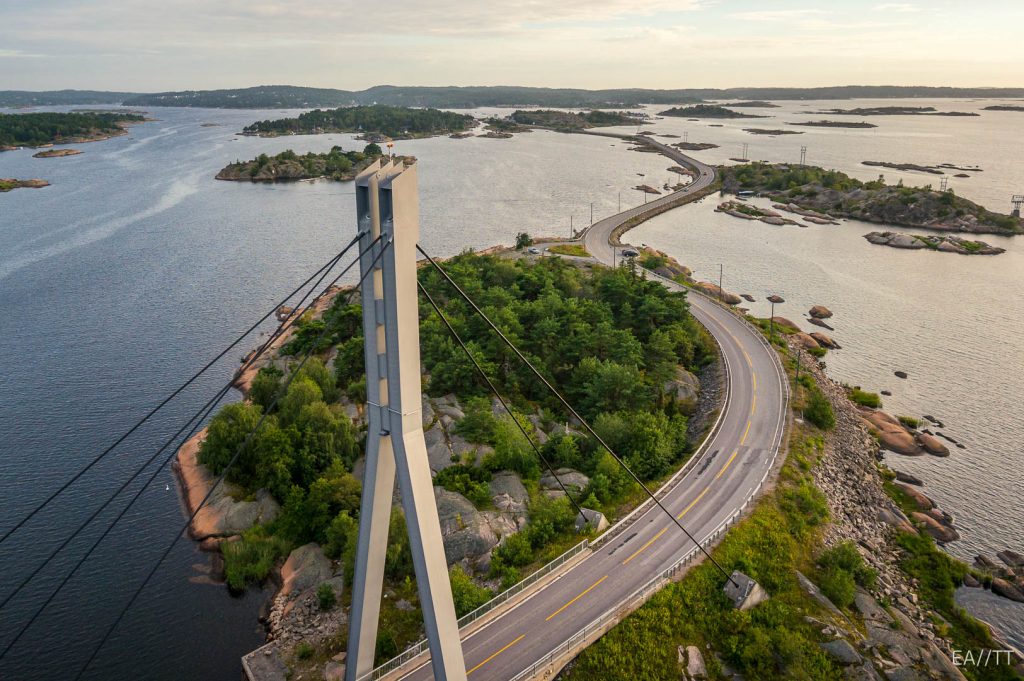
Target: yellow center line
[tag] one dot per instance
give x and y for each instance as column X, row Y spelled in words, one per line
column 745, row 432
column 585, row 592
column 521, row 637
column 693, row 503
column 727, row 464
column 641, row 549
column 753, row 404
column 755, row 381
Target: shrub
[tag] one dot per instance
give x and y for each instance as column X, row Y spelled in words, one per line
column 325, row 596
column 839, row 586
column 845, row 557
column 469, row 481
column 818, row 411
column 909, row 421
column 304, row 651
column 515, row 551
column 467, row 594
column 251, row 558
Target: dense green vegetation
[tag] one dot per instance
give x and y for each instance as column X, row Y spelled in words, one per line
column 391, row 121
column 610, row 339
column 567, row 120
column 16, row 98
column 337, row 164
column 705, row 111
column 34, row 129
column 865, row 398
column 772, row 641
column 839, row 195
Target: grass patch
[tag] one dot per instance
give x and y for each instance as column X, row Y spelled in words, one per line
column 569, row 249
column 865, row 398
column 251, row 558
column 909, row 421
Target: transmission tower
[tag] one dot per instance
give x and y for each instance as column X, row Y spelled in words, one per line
column 803, row 156
column 746, row 148
column 1018, row 203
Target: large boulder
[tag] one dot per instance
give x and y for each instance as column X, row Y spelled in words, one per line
column 685, row 387
column 892, row 434
column 719, row 294
column 307, row 567
column 509, row 495
column 825, row 341
column 941, row 533
column 785, row 323
column 1007, row 590
column 468, row 534
column 820, row 312
column 806, row 341
column 1011, row 558
column 932, row 445
column 691, row 663
column 919, row 498
column 571, row 479
column 842, row 652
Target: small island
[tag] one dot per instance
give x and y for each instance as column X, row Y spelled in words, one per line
column 835, row 124
column 1003, row 107
column 45, row 129
column 747, row 211
column 695, row 146
column 945, row 243
column 706, row 111
column 904, row 166
column 771, row 132
column 832, row 194
column 896, row 111
column 9, row 183
column 372, row 122
column 567, row 121
column 337, row 164
column 56, row 153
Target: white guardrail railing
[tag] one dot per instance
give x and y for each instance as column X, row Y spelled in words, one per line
column 577, row 640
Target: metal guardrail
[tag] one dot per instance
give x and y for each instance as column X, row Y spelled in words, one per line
column 470, row 617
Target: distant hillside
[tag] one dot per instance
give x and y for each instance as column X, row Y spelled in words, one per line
column 260, row 97
column 452, row 97
column 17, row 98
column 390, row 121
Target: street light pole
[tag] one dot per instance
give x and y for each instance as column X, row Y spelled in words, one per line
column 572, row 232
column 721, row 269
column 620, row 202
column 591, row 213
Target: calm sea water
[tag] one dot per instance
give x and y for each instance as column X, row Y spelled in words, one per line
column 136, row 267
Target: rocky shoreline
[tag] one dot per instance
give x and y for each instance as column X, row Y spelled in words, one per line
column 9, row 183
column 56, row 153
column 946, row 243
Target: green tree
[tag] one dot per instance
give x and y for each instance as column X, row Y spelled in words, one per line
column 468, row 596
column 523, row 240
column 227, row 432
column 372, row 149
column 301, row 392
column 818, row 410
column 265, row 386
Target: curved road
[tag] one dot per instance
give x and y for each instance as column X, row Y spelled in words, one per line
column 728, row 474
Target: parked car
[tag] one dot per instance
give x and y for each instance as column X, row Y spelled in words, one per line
column 533, row 250
column 629, row 253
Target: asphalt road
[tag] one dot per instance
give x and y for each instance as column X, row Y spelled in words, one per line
column 726, row 476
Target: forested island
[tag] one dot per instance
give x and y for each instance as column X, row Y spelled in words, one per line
column 838, row 195
column 705, row 111
column 627, row 368
column 568, row 121
column 835, row 124
column 337, row 164
column 395, row 122
column 38, row 129
column 9, row 183
column 896, row 111
column 1004, row 107
column 756, row 104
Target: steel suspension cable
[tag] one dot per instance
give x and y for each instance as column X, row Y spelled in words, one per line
column 163, row 403
column 234, row 458
column 196, row 420
column 507, row 408
column 571, row 410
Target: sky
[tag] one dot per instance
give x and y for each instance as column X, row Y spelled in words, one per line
column 157, row 45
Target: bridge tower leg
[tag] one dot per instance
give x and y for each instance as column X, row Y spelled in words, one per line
column 387, row 206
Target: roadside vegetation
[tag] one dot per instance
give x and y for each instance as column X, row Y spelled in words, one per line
column 576, row 250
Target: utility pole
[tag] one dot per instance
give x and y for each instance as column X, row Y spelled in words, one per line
column 686, row 136
column 721, row 270
column 591, row 213
column 572, row 231
column 746, row 150
column 944, row 184
column 387, row 206
column 771, row 320
column 620, row 203
column 1018, row 202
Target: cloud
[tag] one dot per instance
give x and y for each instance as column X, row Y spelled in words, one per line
column 777, row 15
column 18, row 54
column 902, row 7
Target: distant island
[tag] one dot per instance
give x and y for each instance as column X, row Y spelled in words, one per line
column 705, row 111
column 896, row 111
column 372, row 121
column 1003, row 107
column 944, row 243
column 56, row 153
column 41, row 129
column 9, row 183
column 292, row 97
column 767, row 131
column 756, row 104
column 569, row 121
column 835, row 124
column 695, row 146
column 337, row 164
column 836, row 195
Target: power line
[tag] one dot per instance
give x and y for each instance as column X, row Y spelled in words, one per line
column 494, row 390
column 158, row 407
column 572, row 411
column 196, row 419
column 199, row 414
column 234, row 458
